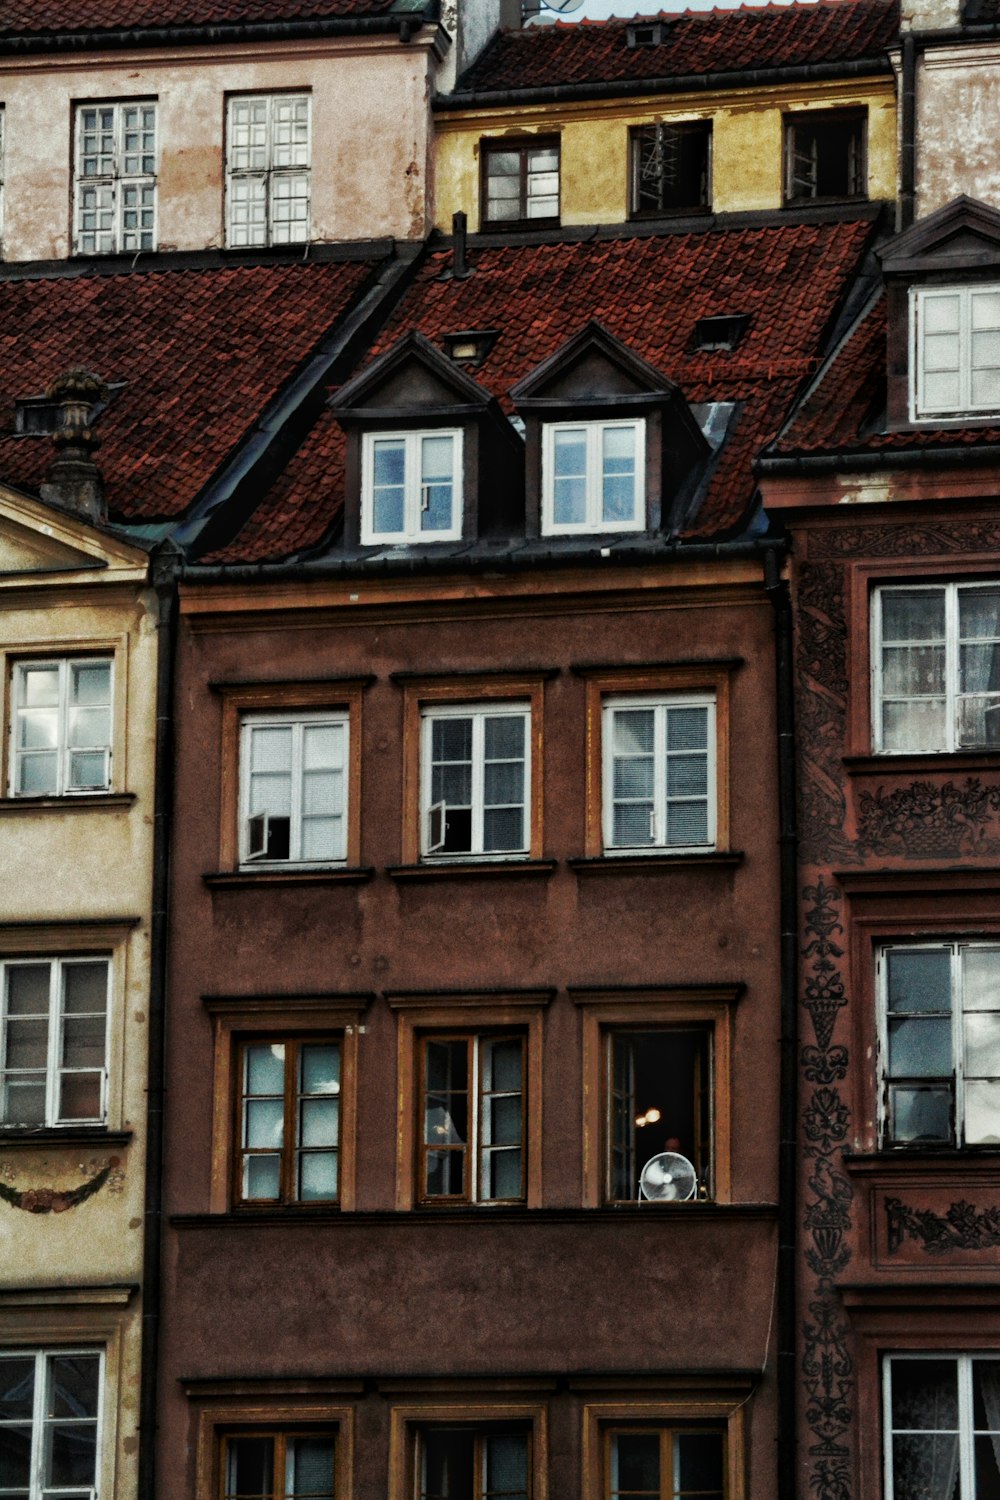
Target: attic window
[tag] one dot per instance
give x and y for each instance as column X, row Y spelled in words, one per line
column 720, row 332
column 38, row 416
column 645, row 34
column 471, row 346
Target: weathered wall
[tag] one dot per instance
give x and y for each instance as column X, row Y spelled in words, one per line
column 357, row 192
column 958, row 97
column 746, row 146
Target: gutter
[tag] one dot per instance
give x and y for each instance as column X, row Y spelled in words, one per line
column 879, row 458
column 786, row 1270
column 135, row 38
column 908, row 136
column 165, row 568
column 504, row 562
column 862, row 67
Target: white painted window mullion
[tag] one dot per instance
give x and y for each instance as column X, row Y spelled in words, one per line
column 475, row 1118
column 53, row 1078
column 660, row 775
column 296, row 793
column 958, row 1039
column 478, row 792
column 951, row 662
column 593, row 477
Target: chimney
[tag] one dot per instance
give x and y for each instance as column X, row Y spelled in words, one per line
column 459, row 264
column 74, row 480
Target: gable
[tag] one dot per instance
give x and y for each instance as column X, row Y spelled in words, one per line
column 591, row 368
column 36, row 538
column 962, row 236
column 413, row 377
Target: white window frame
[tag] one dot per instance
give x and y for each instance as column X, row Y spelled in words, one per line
column 594, row 523
column 64, row 664
column 966, row 1414
column 298, row 722
column 3, row 167
column 956, row 948
column 39, row 1487
column 432, row 815
column 920, row 410
column 116, row 181
column 270, row 176
column 952, row 663
column 54, row 1068
column 662, row 703
column 413, row 498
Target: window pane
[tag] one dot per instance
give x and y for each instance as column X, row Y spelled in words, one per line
column 37, row 775
column 389, row 471
column 687, row 728
column 85, row 988
column 913, row 614
column 981, row 979
column 72, row 1454
column 925, row 1466
column 501, row 1063
column 27, row 1043
column 83, row 1042
column 319, row 1122
column 569, row 462
column 986, row 1395
column 982, row 1045
column 261, row 1179
column 502, row 1175
column 919, row 1047
column 982, row 1113
column 271, row 748
column 80, row 1096
column 919, row 979
column 633, row 730
column 507, row 1467
column 635, row 1463
column 15, row 1462
column 38, row 729
column 265, row 1069
column 698, row 1459
column 925, row 1395
column 17, row 1388
column 90, row 684
column 913, row 671
column 687, row 776
column 619, row 488
column 503, row 736
column 28, row 989
column 320, row 1070
column 264, row 1122
column 437, row 483
column 310, row 1468
column 40, row 687
column 503, row 831
column 914, row 726
column 250, row 1469
column 318, row 1173
column 920, row 1114
column 448, row 1465
column 687, row 824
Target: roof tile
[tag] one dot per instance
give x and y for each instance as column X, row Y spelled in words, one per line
column 648, row 292
column 695, row 42
column 46, row 17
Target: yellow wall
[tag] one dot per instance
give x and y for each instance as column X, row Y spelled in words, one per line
column 360, row 189
column 78, row 879
column 746, row 146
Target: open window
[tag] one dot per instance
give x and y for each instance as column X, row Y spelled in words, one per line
column 671, row 168
column 520, row 183
column 473, row 1110
column 825, row 158
column 476, row 770
column 658, row 1103
column 293, row 788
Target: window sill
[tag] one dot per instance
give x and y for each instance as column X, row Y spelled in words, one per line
column 953, row 761
column 238, row 879
column 464, row 869
column 630, row 864
column 935, row 1161
column 479, row 1215
column 13, row 1138
column 69, row 802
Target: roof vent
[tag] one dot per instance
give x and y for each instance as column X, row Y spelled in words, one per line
column 721, row 332
column 471, row 345
column 41, row 416
column 646, row 33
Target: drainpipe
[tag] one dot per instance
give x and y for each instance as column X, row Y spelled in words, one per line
column 785, row 1296
column 908, row 135
column 165, row 568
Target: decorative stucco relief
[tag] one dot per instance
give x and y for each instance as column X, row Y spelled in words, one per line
column 960, row 1227
column 928, row 821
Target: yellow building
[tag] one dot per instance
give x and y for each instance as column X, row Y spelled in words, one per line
column 675, row 117
column 78, row 657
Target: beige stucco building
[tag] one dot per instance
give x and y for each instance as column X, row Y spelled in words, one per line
column 78, row 651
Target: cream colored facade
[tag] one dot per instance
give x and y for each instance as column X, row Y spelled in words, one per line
column 958, row 100
column 77, row 880
column 368, row 179
column 594, row 145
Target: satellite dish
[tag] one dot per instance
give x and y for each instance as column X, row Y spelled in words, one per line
column 668, row 1178
column 563, row 7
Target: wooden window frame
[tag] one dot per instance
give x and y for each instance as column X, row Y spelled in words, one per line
column 666, row 1432
column 419, row 1015
column 700, row 127
column 594, row 430
column 287, row 1197
column 476, row 691
column 790, row 123
column 656, row 682
column 408, row 1421
column 105, row 648
column 411, row 534
column 473, row 1147
column 719, row 1407
column 286, row 698
column 117, row 180
column 653, row 1010
column 263, row 1414
column 248, row 1019
column 270, row 174
column 965, row 407
column 521, row 144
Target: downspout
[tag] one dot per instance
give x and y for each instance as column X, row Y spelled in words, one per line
column 164, row 572
column 908, row 135
column 786, row 1273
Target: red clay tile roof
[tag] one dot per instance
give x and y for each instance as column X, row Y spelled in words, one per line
column 648, row 292
column 723, row 41
column 202, row 352
column 836, row 415
column 45, row 17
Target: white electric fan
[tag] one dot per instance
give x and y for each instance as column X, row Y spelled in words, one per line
column 668, row 1178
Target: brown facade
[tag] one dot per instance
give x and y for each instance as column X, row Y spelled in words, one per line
column 558, row 1315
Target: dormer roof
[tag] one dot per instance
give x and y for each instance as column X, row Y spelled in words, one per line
column 592, row 368
column 962, row 236
column 412, row 380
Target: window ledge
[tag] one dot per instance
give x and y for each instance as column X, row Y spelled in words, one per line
column 70, row 802
column 629, row 864
column 480, row 1215
column 28, row 1138
column 463, row 869
column 237, row 879
column 949, row 761
column 948, row 1162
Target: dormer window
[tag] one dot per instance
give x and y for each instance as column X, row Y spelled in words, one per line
column 955, row 344
column 593, row 476
column 411, row 487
